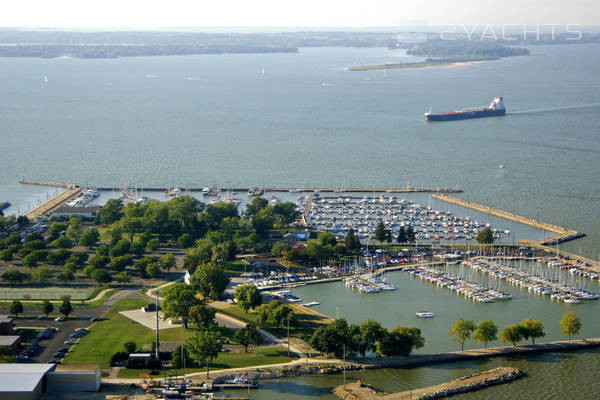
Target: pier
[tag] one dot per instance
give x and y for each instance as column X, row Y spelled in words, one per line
column 53, row 203
column 497, row 376
column 46, row 183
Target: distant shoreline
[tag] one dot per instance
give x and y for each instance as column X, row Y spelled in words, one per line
column 423, row 64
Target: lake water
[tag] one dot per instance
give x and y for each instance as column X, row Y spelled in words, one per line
column 201, row 120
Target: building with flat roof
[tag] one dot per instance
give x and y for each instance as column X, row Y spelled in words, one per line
column 23, row 381
column 9, row 343
column 6, row 325
column 30, row 381
column 65, row 212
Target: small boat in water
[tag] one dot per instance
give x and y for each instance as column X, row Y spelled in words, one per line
column 425, row 314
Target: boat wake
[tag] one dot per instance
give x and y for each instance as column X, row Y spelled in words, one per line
column 554, row 108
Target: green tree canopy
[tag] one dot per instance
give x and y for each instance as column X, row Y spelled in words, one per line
column 380, row 232
column 257, row 204
column 204, row 347
column 352, row 241
column 179, row 299
column 202, row 316
column 400, row 341
column 512, row 333
column 111, row 211
column 42, row 274
column 246, row 335
column 570, row 324
column 16, row 308
column 371, row 332
column 66, row 307
column 532, row 329
column 485, row 236
column 461, row 331
column 247, row 297
column 47, row 307
column 89, row 238
column 168, row 261
column 485, row 332
column 210, row 281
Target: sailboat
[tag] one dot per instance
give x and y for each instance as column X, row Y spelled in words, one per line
column 45, row 79
column 263, row 70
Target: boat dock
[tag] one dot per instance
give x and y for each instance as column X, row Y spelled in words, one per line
column 53, row 203
column 482, row 380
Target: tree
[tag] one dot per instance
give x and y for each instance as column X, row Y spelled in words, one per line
column 179, row 299
column 178, row 361
column 153, row 269
column 120, row 248
column 14, row 238
column 66, row 275
column 275, row 314
column 101, row 276
column 257, row 204
column 352, row 241
column 532, row 329
column 63, row 242
column 400, row 341
column 130, row 347
column 327, row 239
column 6, row 255
column 204, row 347
column 371, row 332
column 74, row 229
column 210, row 281
column 570, row 324
column 42, row 274
column 65, row 307
column 279, row 249
column 89, row 238
column 168, row 261
column 380, row 232
column 123, row 277
column 153, row 244
column 285, row 213
column 246, row 335
column 333, row 338
column 485, row 236
column 30, row 261
column 47, row 307
column 120, row 263
column 131, row 225
column 138, row 248
column 185, row 241
column 202, row 316
column 486, row 332
column 409, row 234
column 103, row 250
column 111, row 212
column 15, row 276
column 461, row 331
column 401, row 235
column 262, row 221
column 512, row 333
column 16, row 308
column 247, row 296
column 55, row 229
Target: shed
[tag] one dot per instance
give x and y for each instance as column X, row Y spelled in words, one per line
column 74, row 378
column 9, row 343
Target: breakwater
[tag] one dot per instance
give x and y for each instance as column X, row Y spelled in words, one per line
column 4, row 205
column 497, row 376
column 46, row 183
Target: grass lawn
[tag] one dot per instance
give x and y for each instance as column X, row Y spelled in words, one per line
column 308, row 320
column 271, row 355
column 109, row 335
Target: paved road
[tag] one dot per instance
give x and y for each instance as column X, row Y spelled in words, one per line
column 80, row 318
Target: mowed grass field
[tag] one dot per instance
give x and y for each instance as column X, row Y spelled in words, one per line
column 308, row 320
column 108, row 336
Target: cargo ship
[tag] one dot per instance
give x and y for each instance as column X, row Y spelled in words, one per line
column 496, row 108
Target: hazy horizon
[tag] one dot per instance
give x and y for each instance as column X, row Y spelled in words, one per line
column 182, row 14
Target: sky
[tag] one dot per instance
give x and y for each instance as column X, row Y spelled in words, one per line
column 284, row 13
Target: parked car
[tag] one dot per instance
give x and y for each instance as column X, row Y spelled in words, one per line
column 58, row 319
column 71, row 342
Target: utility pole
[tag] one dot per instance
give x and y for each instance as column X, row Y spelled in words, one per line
column 288, row 333
column 344, row 365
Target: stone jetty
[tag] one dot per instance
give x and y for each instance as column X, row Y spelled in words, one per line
column 497, row 376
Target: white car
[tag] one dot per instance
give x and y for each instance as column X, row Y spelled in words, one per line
column 58, row 319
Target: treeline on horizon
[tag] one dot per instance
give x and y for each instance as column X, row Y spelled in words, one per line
column 107, row 44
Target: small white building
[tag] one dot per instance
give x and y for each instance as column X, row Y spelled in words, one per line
column 65, row 212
